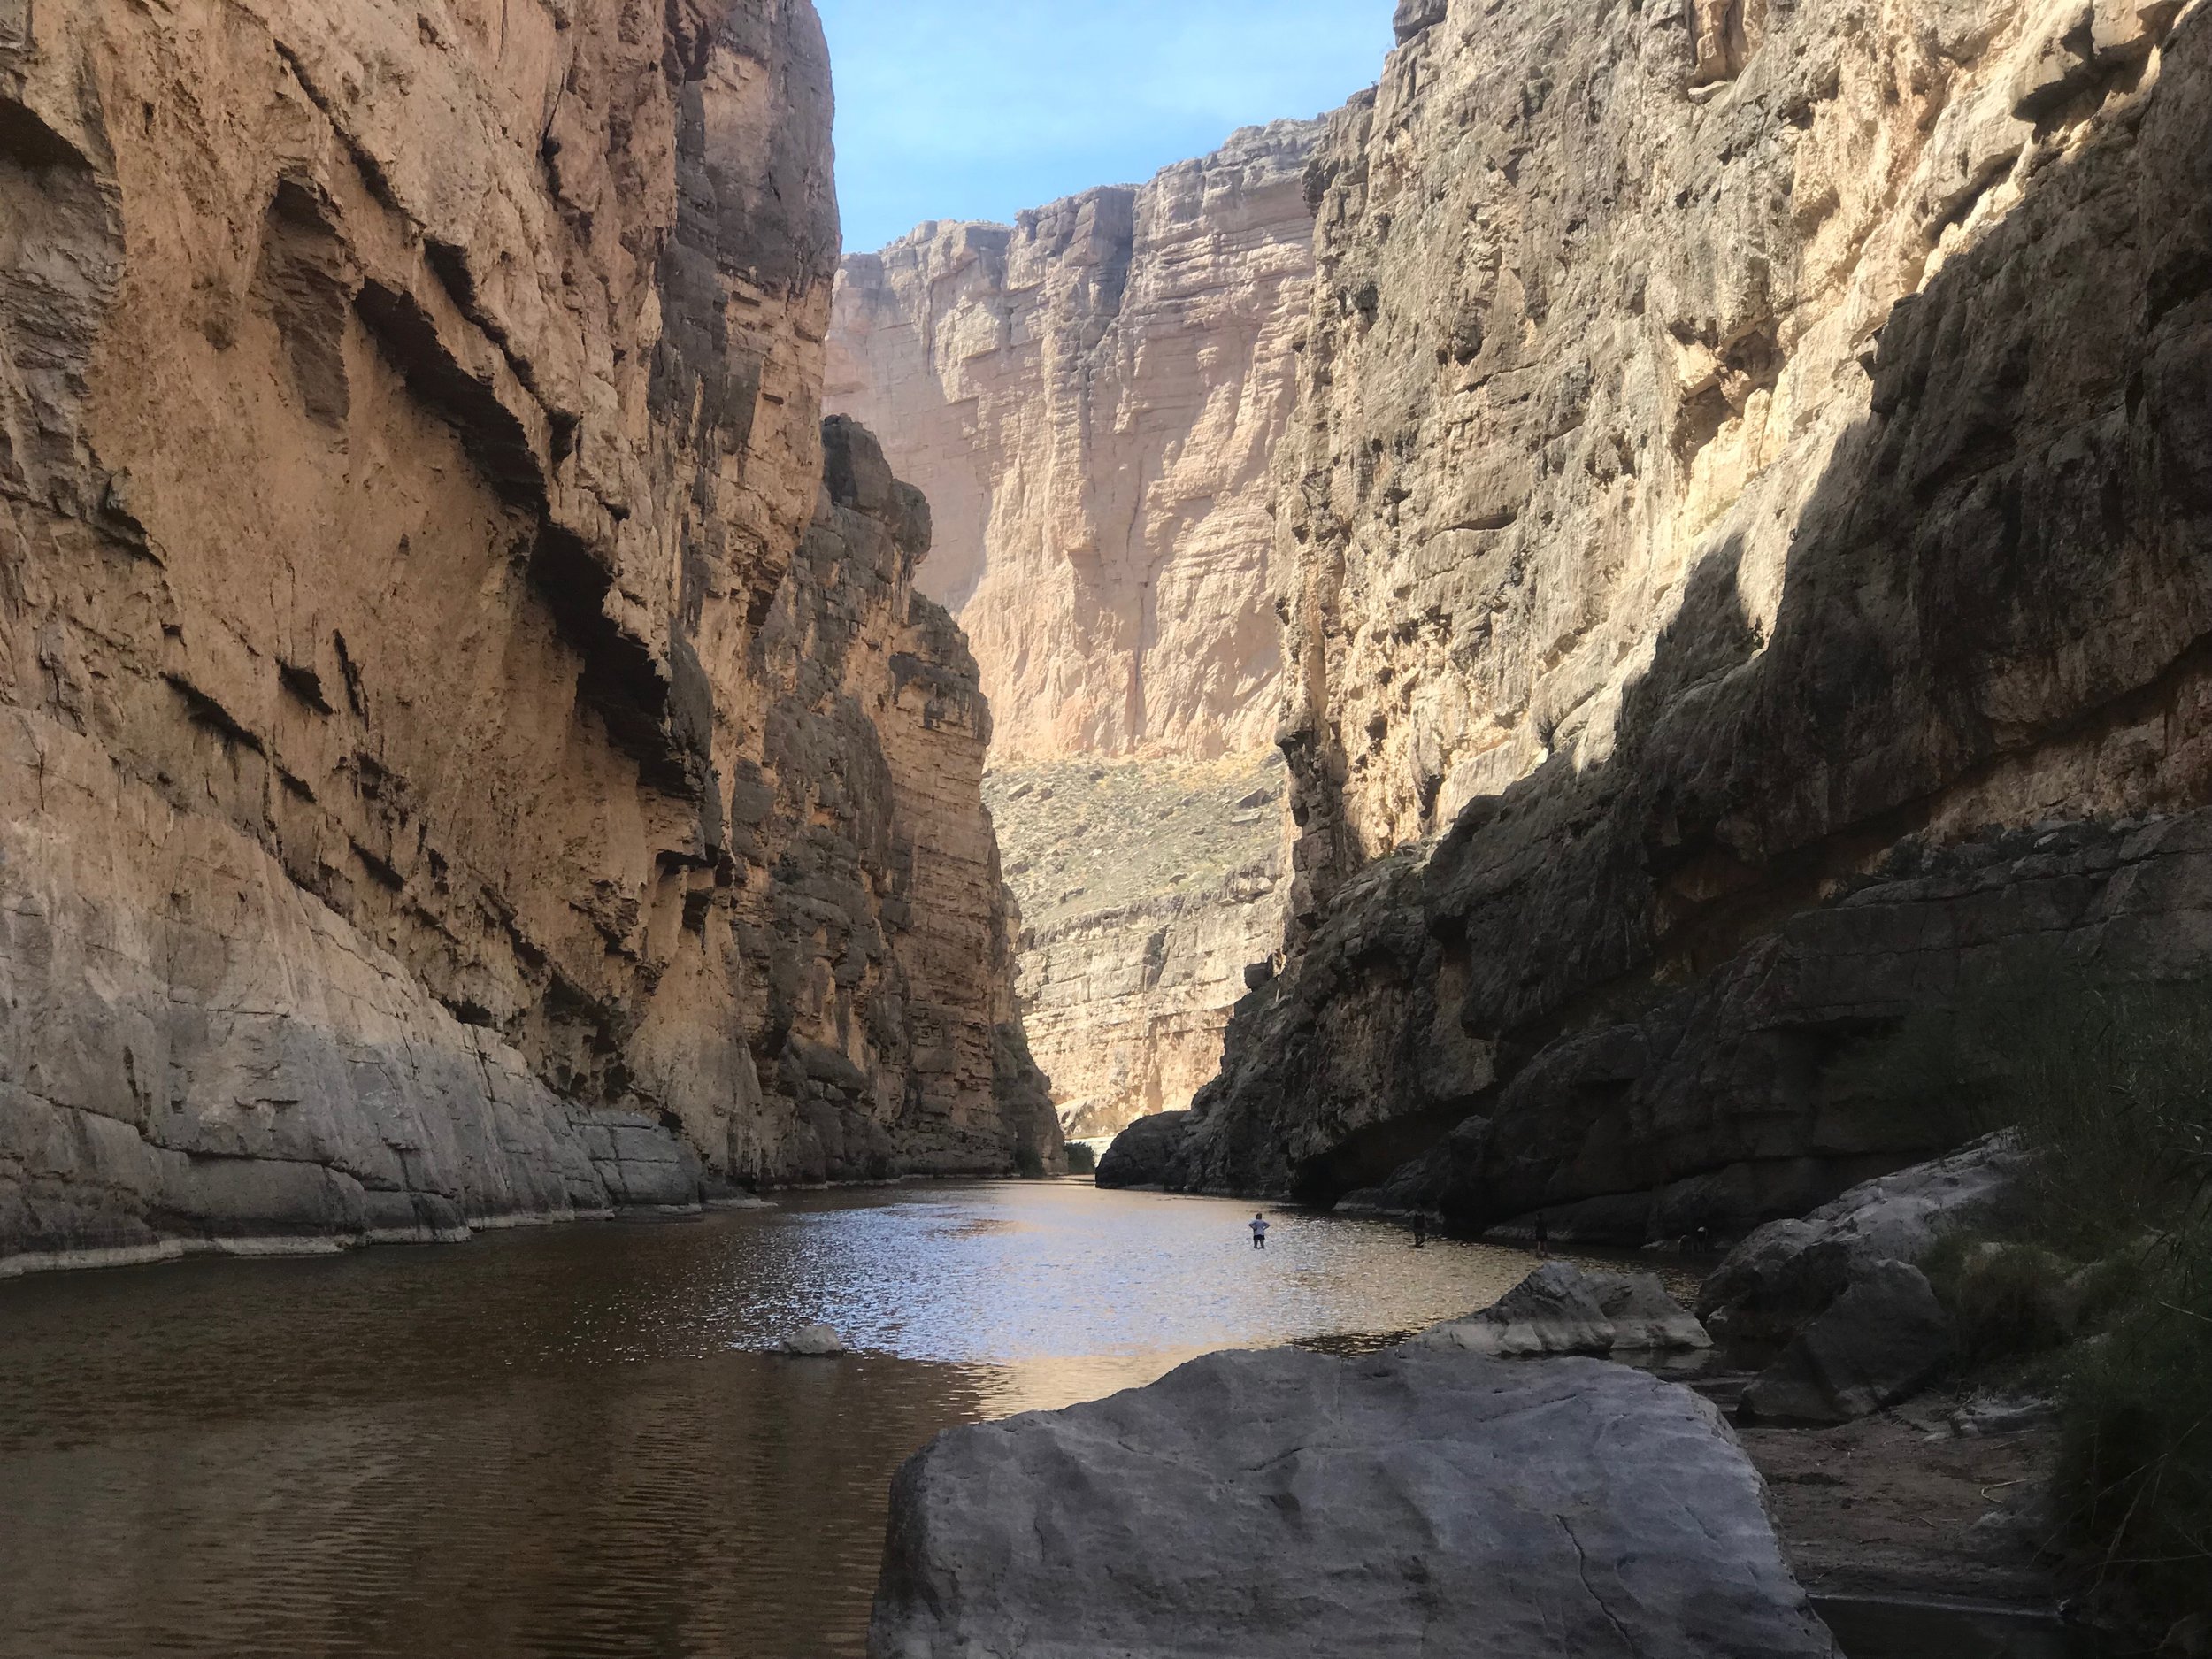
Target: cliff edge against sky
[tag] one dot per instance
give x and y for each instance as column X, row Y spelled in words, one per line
column 1092, row 398
column 437, row 793
column 1746, row 511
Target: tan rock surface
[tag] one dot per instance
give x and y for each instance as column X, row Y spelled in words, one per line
column 1147, row 888
column 408, row 415
column 1749, row 489
column 1090, row 399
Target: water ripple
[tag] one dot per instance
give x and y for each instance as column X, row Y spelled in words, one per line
column 577, row 1441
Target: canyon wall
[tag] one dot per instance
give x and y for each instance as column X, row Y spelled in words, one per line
column 1744, row 559
column 1147, row 889
column 462, row 761
column 1092, row 399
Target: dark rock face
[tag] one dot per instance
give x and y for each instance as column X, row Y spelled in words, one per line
column 885, row 870
column 1924, row 682
column 1142, row 1153
column 1295, row 1502
column 1788, row 1272
column 1881, row 1341
column 1731, row 1101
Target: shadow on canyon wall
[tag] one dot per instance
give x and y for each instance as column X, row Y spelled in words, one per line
column 1620, row 992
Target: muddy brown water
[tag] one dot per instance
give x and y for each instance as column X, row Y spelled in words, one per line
column 577, row 1441
column 572, row 1442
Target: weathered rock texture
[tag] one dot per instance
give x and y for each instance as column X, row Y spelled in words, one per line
column 1147, row 889
column 1885, row 1339
column 1559, row 1310
column 433, row 793
column 1142, row 1154
column 1788, row 1272
column 1401, row 1505
column 1744, row 454
column 1091, row 401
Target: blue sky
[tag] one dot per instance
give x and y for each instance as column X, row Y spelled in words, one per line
column 976, row 109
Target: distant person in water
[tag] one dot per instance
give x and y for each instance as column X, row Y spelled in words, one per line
column 1258, row 1225
column 1420, row 1230
column 1543, row 1235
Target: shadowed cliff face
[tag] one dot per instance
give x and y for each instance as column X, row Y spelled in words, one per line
column 407, row 421
column 1790, row 499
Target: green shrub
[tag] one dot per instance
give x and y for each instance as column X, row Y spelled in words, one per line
column 2135, row 1472
column 1081, row 1159
column 2011, row 1300
column 2109, row 1086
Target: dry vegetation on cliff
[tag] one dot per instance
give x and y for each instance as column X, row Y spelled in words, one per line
column 1147, row 888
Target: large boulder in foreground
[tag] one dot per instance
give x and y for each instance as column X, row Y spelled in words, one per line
column 1141, row 1153
column 1560, row 1310
column 1775, row 1283
column 1410, row 1503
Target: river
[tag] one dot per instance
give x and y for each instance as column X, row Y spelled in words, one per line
column 578, row 1440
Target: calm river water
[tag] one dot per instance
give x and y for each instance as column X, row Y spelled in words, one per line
column 574, row 1441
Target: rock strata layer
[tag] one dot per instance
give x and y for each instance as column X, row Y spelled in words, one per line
column 1148, row 889
column 441, row 787
column 1091, row 399
column 1743, row 528
column 1296, row 1502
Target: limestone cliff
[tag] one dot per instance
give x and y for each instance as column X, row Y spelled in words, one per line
column 1750, row 491
column 1090, row 400
column 1148, row 888
column 434, row 795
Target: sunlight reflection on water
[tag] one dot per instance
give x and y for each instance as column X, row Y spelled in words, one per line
column 575, row 1441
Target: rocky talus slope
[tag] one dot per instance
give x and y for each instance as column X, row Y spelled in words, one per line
column 1748, row 505
column 460, row 763
column 1091, row 399
column 1147, row 888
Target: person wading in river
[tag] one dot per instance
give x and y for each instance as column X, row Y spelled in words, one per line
column 1258, row 1225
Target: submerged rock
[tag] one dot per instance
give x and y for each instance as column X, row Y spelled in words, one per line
column 1559, row 1310
column 1398, row 1504
column 1884, row 1340
column 816, row 1342
column 1141, row 1153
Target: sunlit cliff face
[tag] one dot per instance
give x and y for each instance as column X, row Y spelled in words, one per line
column 1091, row 399
column 414, row 424
column 1538, row 400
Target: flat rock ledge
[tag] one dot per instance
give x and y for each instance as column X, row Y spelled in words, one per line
column 1288, row 1503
